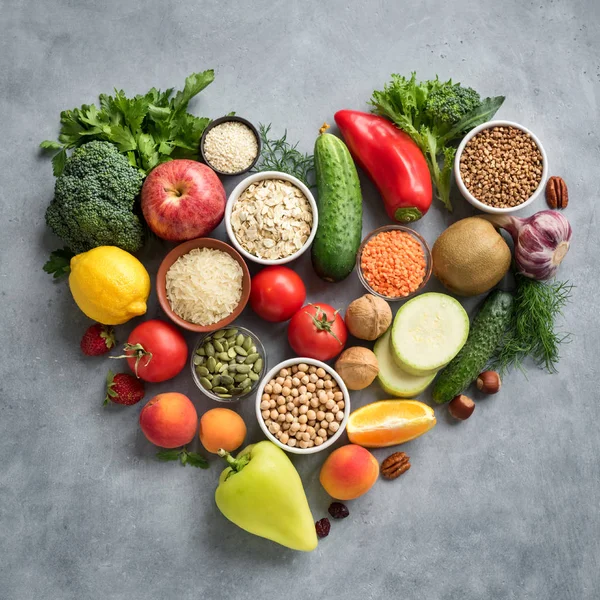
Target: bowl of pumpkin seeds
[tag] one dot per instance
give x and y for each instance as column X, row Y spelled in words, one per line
column 227, row 364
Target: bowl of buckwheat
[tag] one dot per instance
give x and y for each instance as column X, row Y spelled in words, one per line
column 500, row 167
column 302, row 405
column 271, row 218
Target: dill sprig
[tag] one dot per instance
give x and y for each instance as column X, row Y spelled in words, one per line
column 532, row 330
column 280, row 155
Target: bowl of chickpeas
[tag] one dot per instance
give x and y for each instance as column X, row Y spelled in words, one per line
column 302, row 405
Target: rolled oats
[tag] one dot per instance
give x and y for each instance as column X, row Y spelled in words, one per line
column 272, row 219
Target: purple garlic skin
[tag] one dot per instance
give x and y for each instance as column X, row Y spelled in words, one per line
column 541, row 241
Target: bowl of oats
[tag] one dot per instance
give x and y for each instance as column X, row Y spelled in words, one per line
column 271, row 218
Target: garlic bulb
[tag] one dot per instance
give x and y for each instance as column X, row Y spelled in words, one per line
column 541, row 241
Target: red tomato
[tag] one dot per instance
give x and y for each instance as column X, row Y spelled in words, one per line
column 277, row 293
column 157, row 349
column 317, row 331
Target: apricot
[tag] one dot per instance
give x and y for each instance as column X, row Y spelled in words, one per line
column 222, row 428
column 169, row 420
column 349, row 472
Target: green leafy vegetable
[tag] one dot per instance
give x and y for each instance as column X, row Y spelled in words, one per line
column 185, row 457
column 59, row 262
column 532, row 329
column 435, row 114
column 277, row 154
column 148, row 129
column 94, row 198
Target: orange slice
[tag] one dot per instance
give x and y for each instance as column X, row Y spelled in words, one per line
column 389, row 422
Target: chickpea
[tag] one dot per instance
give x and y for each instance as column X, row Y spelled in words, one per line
column 312, row 415
column 264, row 404
column 339, row 416
column 295, row 411
column 322, row 397
column 278, row 434
column 295, row 369
column 310, row 429
column 274, row 414
column 305, row 379
column 279, row 381
column 312, row 369
column 294, row 427
column 302, row 389
column 320, row 383
column 291, row 442
column 329, row 417
column 314, row 402
column 322, row 433
column 302, row 419
column 285, row 426
column 303, row 367
column 303, row 445
column 318, row 441
column 289, row 417
column 306, row 436
column 337, row 396
column 330, row 395
column 295, row 382
column 272, row 403
column 303, row 427
column 296, row 401
column 284, row 438
column 341, row 404
column 277, row 389
column 327, row 384
column 290, row 406
column 268, row 388
column 295, row 393
column 324, row 424
column 335, row 409
column 320, row 415
column 327, row 377
column 268, row 422
column 309, row 395
column 282, row 409
column 311, row 422
column 329, row 404
column 280, row 400
column 281, row 419
column 303, row 410
column 313, row 378
column 333, row 427
column 311, row 387
column 266, row 414
column 283, row 373
column 274, row 428
column 288, row 382
column 298, row 436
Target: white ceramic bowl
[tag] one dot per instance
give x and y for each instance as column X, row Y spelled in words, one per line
column 310, row 362
column 237, row 192
column 465, row 192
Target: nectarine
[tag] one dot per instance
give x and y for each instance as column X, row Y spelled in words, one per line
column 222, row 428
column 169, row 420
column 349, row 472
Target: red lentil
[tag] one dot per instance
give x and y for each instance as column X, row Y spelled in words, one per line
column 393, row 263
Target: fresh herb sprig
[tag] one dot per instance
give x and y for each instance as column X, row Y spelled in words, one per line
column 59, row 263
column 278, row 154
column 184, row 456
column 148, row 129
column 532, row 330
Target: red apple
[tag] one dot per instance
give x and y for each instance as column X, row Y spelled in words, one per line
column 182, row 200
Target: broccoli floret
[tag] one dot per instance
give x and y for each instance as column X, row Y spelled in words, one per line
column 449, row 102
column 94, row 199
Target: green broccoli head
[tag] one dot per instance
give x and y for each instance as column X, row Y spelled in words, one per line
column 449, row 102
column 94, row 199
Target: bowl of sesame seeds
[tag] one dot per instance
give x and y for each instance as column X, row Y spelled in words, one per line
column 500, row 167
column 230, row 145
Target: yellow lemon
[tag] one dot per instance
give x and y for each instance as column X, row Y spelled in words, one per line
column 109, row 285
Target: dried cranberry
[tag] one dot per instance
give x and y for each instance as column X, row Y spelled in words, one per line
column 338, row 510
column 323, row 526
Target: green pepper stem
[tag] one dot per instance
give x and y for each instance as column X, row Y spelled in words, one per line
column 236, row 464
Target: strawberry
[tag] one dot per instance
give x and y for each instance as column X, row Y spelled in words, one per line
column 123, row 388
column 97, row 339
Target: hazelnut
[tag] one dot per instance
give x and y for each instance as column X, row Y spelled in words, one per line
column 461, row 407
column 489, row 382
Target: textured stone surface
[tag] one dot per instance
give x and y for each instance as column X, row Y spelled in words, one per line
column 503, row 506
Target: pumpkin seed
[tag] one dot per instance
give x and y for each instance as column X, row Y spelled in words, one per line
column 222, row 356
column 246, row 383
column 218, row 366
column 240, row 377
column 231, row 333
column 241, row 351
column 243, row 368
column 231, row 353
column 218, row 346
column 252, row 349
column 225, row 344
column 253, row 376
column 226, row 380
column 202, row 371
column 211, row 363
column 239, row 340
column 258, row 365
column 209, row 348
column 247, row 343
column 198, row 360
column 206, row 383
column 216, row 380
column 201, row 351
column 220, row 389
column 246, row 390
column 224, row 369
column 217, row 335
column 252, row 358
column 224, row 395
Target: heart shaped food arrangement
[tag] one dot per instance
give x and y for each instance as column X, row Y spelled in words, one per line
column 144, row 163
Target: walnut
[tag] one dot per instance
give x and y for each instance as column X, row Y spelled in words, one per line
column 368, row 317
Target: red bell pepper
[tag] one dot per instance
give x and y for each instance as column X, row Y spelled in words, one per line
column 392, row 160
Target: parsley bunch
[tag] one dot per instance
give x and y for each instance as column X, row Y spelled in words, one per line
column 149, row 129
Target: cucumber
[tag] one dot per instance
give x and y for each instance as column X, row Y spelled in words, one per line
column 427, row 333
column 339, row 202
column 486, row 333
column 392, row 378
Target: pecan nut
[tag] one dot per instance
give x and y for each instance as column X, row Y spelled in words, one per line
column 394, row 465
column 557, row 194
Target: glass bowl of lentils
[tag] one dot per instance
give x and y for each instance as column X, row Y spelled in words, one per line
column 227, row 364
column 500, row 167
column 230, row 145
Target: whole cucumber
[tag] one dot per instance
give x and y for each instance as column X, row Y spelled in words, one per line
column 484, row 337
column 339, row 202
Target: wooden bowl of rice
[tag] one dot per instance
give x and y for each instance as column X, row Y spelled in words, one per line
column 185, row 289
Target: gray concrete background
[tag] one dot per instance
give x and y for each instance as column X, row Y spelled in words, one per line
column 502, row 506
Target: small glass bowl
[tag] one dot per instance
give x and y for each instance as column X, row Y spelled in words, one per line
column 259, row 348
column 414, row 235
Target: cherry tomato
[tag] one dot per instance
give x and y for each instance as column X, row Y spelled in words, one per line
column 156, row 351
column 317, row 331
column 277, row 293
